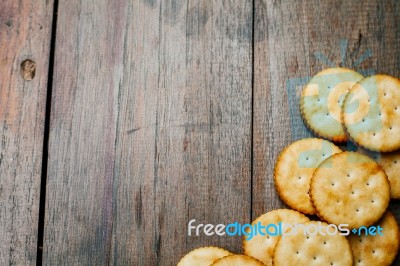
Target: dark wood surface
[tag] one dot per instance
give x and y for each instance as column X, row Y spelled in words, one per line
column 150, row 127
column 184, row 129
column 162, row 112
column 25, row 28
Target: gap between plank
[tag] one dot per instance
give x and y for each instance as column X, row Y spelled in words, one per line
column 252, row 112
column 42, row 200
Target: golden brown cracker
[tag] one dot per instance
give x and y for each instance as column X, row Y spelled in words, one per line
column 294, row 169
column 390, row 162
column 372, row 250
column 371, row 113
column 305, row 246
column 262, row 247
column 350, row 188
column 203, row 256
column 238, row 260
column 321, row 102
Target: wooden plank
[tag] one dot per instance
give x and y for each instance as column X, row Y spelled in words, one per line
column 150, row 128
column 87, row 72
column 25, row 33
column 183, row 149
column 295, row 40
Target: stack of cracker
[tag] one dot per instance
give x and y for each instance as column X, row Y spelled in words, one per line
column 343, row 188
column 315, row 177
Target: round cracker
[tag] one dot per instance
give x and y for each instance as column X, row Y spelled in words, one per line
column 307, row 247
column 294, row 169
column 371, row 113
column 370, row 250
column 204, row 256
column 321, row 102
column 262, row 247
column 390, row 162
column 350, row 188
column 238, row 260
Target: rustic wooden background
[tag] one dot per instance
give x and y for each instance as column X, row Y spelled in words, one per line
column 145, row 114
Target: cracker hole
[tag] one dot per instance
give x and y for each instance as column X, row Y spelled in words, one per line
column 363, row 120
column 319, row 99
column 327, row 113
column 348, row 175
column 324, row 242
column 333, row 184
column 352, row 192
column 372, row 201
column 369, row 100
column 357, row 210
column 360, row 240
column 28, row 69
column 315, row 258
column 308, row 237
column 299, row 177
column 307, row 158
column 373, row 251
column 297, row 252
column 395, row 162
column 331, row 263
column 374, row 134
column 367, row 184
column 396, row 108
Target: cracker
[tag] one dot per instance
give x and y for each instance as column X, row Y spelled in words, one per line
column 390, row 162
column 371, row 113
column 204, row 256
column 350, row 188
column 369, row 250
column 306, row 247
column 321, row 102
column 238, row 260
column 294, row 169
column 262, row 247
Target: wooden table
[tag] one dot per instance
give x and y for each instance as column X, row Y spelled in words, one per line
column 143, row 115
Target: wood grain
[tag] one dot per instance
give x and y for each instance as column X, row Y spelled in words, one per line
column 25, row 33
column 87, row 73
column 150, row 128
column 294, row 40
column 152, row 113
column 189, row 156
